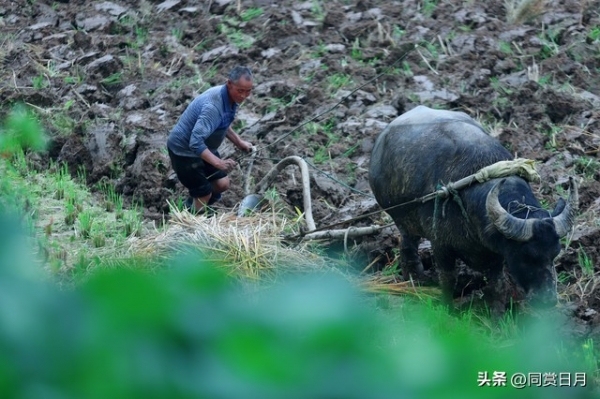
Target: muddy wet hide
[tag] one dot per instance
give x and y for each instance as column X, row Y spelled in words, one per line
column 249, row 204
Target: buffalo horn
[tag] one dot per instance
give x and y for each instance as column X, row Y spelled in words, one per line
column 511, row 227
column 564, row 221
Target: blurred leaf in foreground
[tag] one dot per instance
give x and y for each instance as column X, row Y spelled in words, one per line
column 21, row 130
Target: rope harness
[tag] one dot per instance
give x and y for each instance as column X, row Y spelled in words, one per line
column 521, row 167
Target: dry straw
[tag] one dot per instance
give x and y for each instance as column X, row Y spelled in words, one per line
column 248, row 247
column 251, row 248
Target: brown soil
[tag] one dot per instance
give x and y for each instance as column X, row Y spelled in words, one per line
column 112, row 78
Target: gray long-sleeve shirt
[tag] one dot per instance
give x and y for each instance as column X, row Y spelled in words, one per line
column 203, row 124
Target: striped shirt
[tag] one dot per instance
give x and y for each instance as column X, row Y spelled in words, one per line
column 203, row 124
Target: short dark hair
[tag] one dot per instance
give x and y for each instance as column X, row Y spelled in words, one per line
column 239, row 72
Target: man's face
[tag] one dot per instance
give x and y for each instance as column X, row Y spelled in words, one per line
column 240, row 90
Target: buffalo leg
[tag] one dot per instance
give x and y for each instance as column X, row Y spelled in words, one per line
column 495, row 291
column 445, row 263
column 409, row 256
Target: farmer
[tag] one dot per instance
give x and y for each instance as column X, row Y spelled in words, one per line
column 194, row 141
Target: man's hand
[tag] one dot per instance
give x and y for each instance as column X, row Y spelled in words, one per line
column 226, row 165
column 245, row 146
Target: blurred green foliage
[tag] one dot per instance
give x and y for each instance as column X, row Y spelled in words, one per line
column 21, row 130
column 189, row 331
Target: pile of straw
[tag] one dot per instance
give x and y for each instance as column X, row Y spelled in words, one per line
column 248, row 247
column 251, row 248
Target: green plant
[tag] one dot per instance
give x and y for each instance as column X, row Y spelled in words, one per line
column 177, row 33
column 21, row 131
column 406, row 70
column 397, row 33
column 312, row 128
column 563, row 277
column 241, row 40
column 86, row 222
column 356, row 51
column 113, row 202
column 39, row 82
column 594, row 34
column 62, row 122
column 339, row 80
column 98, row 239
column 550, row 39
column 317, row 10
column 428, row 7
column 392, row 266
column 505, row 47
column 141, row 36
column 113, row 79
column 588, row 166
column 321, row 155
column 71, row 213
column 552, row 132
column 585, row 263
column 251, row 13
column 132, row 221
column 348, row 153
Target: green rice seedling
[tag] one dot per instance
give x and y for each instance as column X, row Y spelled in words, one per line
column 563, row 277
column 593, row 35
column 81, row 266
column 406, row 70
column 20, row 163
column 98, row 239
column 74, row 80
column 62, row 123
column 356, row 52
column 428, row 7
column 39, row 82
column 61, row 182
column 585, row 263
column 86, row 222
column 398, row 33
column 71, row 214
column 251, row 13
column 505, row 47
column 132, row 222
column 81, row 174
column 552, row 133
column 177, row 33
column 339, row 80
column 312, row 128
column 113, row 202
column 321, row 155
column 348, row 153
column 141, row 36
column 587, row 166
column 240, row 39
column 317, row 10
column 113, row 79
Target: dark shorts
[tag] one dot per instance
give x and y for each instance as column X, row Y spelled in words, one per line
column 195, row 174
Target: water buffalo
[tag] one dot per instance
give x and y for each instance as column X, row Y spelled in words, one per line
column 486, row 225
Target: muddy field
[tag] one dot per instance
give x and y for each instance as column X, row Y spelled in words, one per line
column 110, row 79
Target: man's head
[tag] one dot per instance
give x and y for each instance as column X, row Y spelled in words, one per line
column 239, row 84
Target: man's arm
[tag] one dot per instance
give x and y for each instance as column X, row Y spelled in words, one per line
column 225, row 165
column 237, row 140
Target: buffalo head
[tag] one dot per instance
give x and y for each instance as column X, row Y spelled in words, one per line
column 532, row 244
